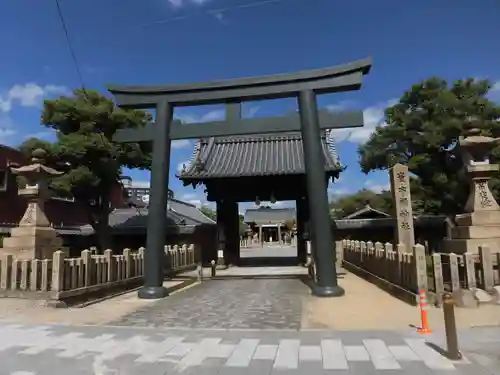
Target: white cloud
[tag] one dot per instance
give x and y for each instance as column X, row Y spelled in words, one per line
column 211, row 205
column 252, row 111
column 277, row 204
column 195, row 199
column 181, row 165
column 213, row 115
column 216, row 114
column 180, row 3
column 195, row 202
column 373, row 116
column 5, row 105
column 41, row 135
column 377, row 187
column 494, row 93
column 181, row 143
column 7, row 129
column 28, row 95
column 339, row 191
column 189, row 196
column 340, row 106
column 5, row 134
column 140, row 184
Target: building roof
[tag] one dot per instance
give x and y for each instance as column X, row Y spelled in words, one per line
column 181, row 215
column 254, row 155
column 421, row 221
column 367, row 212
column 268, row 215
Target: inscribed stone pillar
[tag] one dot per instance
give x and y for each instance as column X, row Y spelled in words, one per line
column 400, row 187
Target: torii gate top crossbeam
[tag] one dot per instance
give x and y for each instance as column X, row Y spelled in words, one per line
column 345, row 77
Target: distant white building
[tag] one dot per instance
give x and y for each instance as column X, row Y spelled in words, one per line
column 139, row 191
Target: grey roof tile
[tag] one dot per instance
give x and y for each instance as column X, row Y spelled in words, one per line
column 367, row 210
column 264, row 215
column 180, row 214
column 254, row 155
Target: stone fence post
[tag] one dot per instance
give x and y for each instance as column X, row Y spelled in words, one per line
column 58, row 271
column 420, row 268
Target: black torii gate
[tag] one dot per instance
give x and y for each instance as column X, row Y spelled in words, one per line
column 303, row 85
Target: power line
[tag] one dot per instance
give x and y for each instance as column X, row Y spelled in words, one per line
column 75, row 60
column 214, row 12
column 70, row 47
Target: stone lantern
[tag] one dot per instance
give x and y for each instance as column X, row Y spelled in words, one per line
column 34, row 238
column 480, row 224
column 475, row 150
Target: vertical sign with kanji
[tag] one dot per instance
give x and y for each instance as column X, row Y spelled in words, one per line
column 400, row 187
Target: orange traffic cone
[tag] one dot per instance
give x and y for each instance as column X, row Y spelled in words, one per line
column 424, row 307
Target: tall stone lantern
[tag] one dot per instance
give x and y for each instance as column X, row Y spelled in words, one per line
column 34, row 238
column 480, row 224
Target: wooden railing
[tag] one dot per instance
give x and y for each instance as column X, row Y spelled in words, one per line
column 60, row 278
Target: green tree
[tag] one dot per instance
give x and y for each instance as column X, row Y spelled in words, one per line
column 85, row 123
column 212, row 214
column 422, row 131
column 348, row 204
column 208, row 212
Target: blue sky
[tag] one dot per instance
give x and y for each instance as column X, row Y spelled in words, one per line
column 178, row 41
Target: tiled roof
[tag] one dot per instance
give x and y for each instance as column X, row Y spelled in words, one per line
column 254, row 155
column 264, row 215
column 181, row 215
column 366, row 212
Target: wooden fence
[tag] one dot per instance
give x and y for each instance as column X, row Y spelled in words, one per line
column 60, row 278
column 472, row 278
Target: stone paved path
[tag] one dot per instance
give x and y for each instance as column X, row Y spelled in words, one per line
column 255, row 304
column 53, row 350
